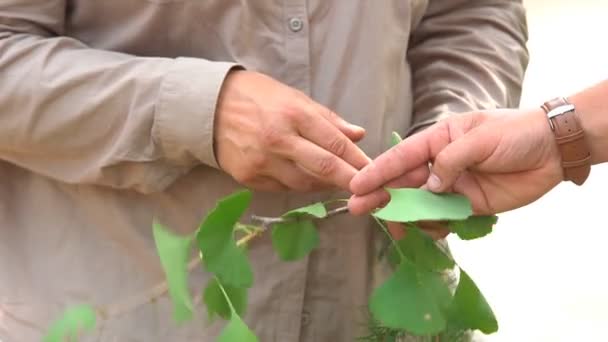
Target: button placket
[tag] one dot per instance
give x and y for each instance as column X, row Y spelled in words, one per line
column 295, row 24
column 297, row 48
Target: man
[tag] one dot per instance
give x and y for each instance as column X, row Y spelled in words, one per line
column 120, row 111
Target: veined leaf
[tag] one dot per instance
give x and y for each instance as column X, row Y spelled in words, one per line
column 473, row 227
column 294, row 240
column 469, row 308
column 412, row 299
column 174, row 251
column 410, row 205
column 215, row 238
column 72, row 324
column 422, row 251
column 216, row 302
column 316, row 210
column 236, row 329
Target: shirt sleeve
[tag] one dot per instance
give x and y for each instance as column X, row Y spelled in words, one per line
column 81, row 115
column 467, row 55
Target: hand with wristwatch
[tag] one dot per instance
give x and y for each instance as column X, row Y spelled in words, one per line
column 500, row 159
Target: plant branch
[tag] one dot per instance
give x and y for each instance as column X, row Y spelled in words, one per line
column 268, row 221
column 153, row 293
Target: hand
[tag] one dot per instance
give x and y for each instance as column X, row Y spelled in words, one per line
column 500, row 160
column 271, row 137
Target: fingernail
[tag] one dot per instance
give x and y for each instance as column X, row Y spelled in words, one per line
column 433, row 183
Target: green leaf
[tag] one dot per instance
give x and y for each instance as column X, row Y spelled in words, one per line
column 473, row 227
column 315, row 210
column 72, row 324
column 395, row 139
column 236, row 330
column 410, row 205
column 294, row 240
column 215, row 237
column 469, row 308
column 412, row 299
column 422, row 251
column 216, row 302
column 174, row 251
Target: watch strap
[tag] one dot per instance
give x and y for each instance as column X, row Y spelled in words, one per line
column 570, row 138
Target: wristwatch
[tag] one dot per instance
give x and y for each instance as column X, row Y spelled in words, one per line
column 570, row 137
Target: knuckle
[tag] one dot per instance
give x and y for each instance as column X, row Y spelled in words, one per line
column 326, row 165
column 271, row 136
column 304, row 186
column 292, row 113
column 338, row 146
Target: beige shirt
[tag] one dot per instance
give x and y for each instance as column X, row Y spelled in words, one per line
column 106, row 117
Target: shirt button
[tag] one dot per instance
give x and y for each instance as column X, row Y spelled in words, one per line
column 305, row 318
column 295, row 24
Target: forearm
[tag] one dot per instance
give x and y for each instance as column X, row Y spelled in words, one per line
column 592, row 109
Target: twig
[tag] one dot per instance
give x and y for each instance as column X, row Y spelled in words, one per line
column 268, row 221
column 153, row 293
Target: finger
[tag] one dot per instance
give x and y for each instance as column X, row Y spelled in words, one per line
column 353, row 132
column 330, row 138
column 396, row 229
column 293, row 177
column 408, row 155
column 359, row 205
column 266, row 184
column 322, row 164
column 456, row 157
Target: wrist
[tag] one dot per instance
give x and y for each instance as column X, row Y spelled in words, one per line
column 538, row 118
column 591, row 108
column 570, row 138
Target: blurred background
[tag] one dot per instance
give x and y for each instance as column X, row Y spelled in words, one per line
column 543, row 268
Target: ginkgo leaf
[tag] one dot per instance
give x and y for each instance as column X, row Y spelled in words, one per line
column 294, row 240
column 421, row 250
column 412, row 299
column 395, row 139
column 316, row 210
column 72, row 324
column 236, row 330
column 473, row 227
column 410, row 205
column 469, row 308
column 215, row 238
column 216, row 302
column 174, row 252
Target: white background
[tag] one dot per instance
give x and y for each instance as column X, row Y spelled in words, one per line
column 543, row 268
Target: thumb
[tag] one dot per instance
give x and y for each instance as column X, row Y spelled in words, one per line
column 454, row 159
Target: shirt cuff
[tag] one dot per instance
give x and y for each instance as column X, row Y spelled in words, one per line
column 185, row 111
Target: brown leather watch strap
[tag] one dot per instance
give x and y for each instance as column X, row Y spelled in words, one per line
column 570, row 137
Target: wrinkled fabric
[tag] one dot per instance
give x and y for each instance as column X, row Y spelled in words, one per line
column 106, row 122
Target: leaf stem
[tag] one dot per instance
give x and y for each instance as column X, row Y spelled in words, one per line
column 390, row 237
